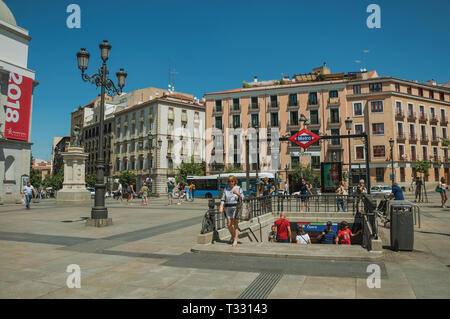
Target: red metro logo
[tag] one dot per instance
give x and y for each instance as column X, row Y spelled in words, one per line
column 304, row 138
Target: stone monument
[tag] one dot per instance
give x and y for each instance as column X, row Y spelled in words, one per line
column 74, row 186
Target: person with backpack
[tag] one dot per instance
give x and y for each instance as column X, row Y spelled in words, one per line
column 284, row 234
column 232, row 194
column 328, row 236
column 302, row 237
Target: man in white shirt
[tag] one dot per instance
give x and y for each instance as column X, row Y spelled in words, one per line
column 28, row 191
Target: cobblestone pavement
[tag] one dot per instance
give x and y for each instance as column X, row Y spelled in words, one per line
column 146, row 254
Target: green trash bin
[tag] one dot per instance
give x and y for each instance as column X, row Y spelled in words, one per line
column 402, row 227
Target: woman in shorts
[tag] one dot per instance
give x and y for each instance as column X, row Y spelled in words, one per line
column 443, row 187
column 230, row 198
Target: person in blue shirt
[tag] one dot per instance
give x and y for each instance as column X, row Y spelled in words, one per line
column 328, row 236
column 397, row 192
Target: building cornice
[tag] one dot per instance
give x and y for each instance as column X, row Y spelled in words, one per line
column 385, row 94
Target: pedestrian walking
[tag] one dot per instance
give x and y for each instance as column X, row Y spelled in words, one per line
column 170, row 187
column 28, row 191
column 187, row 192
column 144, row 193
column 131, row 193
column 230, row 198
column 442, row 186
column 192, row 190
column 120, row 192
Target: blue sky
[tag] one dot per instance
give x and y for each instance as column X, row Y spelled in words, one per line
column 216, row 44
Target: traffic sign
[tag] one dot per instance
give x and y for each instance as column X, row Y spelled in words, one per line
column 304, row 138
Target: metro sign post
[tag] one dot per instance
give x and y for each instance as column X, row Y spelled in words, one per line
column 304, row 138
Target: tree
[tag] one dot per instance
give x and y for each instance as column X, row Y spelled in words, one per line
column 187, row 169
column 90, row 180
column 35, row 175
column 308, row 174
column 126, row 178
column 423, row 167
column 54, row 181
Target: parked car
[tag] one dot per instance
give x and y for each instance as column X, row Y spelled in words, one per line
column 384, row 190
column 92, row 190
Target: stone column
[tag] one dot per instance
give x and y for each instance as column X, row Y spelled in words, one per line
column 74, row 186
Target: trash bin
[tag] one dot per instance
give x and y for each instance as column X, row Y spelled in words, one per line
column 402, row 227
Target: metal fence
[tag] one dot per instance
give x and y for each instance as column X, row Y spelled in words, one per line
column 258, row 206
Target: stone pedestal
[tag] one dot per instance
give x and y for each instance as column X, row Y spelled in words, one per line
column 74, row 186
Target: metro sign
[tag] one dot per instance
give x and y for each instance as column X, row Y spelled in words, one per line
column 304, row 138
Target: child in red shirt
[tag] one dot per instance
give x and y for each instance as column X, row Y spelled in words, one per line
column 345, row 234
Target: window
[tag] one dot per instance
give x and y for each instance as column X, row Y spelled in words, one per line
column 380, row 174
column 218, row 105
column 379, row 151
column 315, row 162
column 292, row 134
column 410, row 109
column 335, row 141
column 359, row 152
column 236, row 121
column 425, row 153
column 236, row 105
column 357, row 109
column 422, row 111
column 378, row 128
column 413, row 153
column 435, row 154
column 375, row 87
column 444, row 132
column 420, row 92
column 274, row 119
column 431, row 94
column 400, row 130
column 254, row 102
column 376, row 106
column 333, row 93
column 441, row 96
column 445, row 159
column 401, row 152
column 433, row 133
column 314, row 116
column 409, row 90
column 335, row 156
column 334, row 115
column 273, row 101
column 10, row 168
column 398, row 108
column 356, row 89
column 359, row 128
column 292, row 100
column 255, row 120
column 423, row 131
column 412, row 130
column 432, row 113
column 397, row 87
column 294, row 118
column 219, row 122
column 312, row 98
column 443, row 118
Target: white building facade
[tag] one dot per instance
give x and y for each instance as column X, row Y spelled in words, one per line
column 16, row 90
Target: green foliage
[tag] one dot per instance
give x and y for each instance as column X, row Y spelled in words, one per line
column 422, row 167
column 232, row 169
column 282, row 81
column 308, row 174
column 90, row 180
column 276, row 82
column 126, row 178
column 244, row 84
column 54, row 181
column 35, row 175
column 320, row 77
column 192, row 168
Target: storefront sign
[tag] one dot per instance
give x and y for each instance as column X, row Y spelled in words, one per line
column 18, row 107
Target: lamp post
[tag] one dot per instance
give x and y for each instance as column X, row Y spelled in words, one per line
column 256, row 126
column 348, row 126
column 99, row 211
column 286, row 171
column 391, row 144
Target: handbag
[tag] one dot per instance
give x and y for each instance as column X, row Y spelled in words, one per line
column 438, row 189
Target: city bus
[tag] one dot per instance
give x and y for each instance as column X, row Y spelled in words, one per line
column 242, row 181
column 205, row 186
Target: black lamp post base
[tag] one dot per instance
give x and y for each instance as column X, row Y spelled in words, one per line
column 99, row 222
column 99, row 212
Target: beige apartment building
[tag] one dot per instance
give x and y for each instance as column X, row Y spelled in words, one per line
column 414, row 114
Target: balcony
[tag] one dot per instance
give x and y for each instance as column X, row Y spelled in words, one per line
column 217, row 109
column 411, row 117
column 333, row 101
column 399, row 115
column 434, row 158
column 292, row 104
column 422, row 118
column 254, row 106
column 184, row 118
column 413, row 138
column 171, row 116
column 334, row 122
column 235, row 108
column 313, row 102
column 434, row 140
column 401, row 137
column 423, row 139
column 444, row 120
column 433, row 119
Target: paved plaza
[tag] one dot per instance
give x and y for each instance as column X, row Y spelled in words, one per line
column 147, row 254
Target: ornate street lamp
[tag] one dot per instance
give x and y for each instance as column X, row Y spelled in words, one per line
column 100, row 79
column 391, row 144
column 348, row 126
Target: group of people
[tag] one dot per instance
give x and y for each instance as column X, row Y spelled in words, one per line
column 129, row 194
column 281, row 233
column 180, row 191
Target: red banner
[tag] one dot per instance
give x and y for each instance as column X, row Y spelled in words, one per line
column 18, row 107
